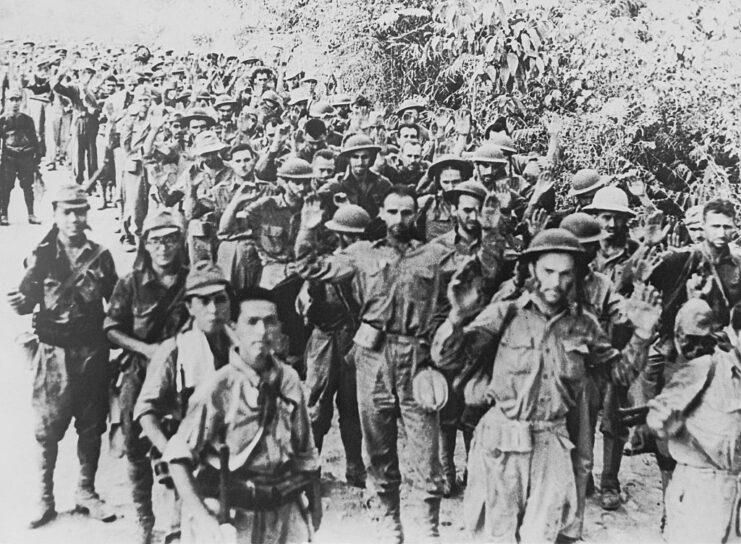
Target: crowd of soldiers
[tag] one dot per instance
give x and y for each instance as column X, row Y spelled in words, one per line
column 297, row 249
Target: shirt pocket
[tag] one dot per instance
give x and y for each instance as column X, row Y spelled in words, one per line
column 516, row 351
column 377, row 279
column 273, row 239
column 143, row 316
column 575, row 356
column 422, row 285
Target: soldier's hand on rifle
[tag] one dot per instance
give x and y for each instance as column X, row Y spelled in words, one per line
column 464, row 290
column 643, row 309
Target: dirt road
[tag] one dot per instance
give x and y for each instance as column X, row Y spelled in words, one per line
column 346, row 519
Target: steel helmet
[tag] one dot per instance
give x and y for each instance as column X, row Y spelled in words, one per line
column 430, row 389
column 585, row 227
column 557, row 240
column 489, row 152
column 586, row 180
column 610, row 199
column 349, row 218
column 295, row 168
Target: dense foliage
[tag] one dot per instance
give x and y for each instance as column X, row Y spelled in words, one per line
column 646, row 89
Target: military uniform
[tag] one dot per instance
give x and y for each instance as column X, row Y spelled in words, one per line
column 71, row 366
column 19, row 156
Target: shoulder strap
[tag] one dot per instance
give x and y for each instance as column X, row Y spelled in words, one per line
column 164, row 308
column 75, row 276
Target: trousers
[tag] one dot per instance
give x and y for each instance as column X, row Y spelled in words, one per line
column 702, row 506
column 22, row 167
column 519, row 491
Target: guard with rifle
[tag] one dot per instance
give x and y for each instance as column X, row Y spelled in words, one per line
column 184, row 361
column 67, row 277
column 19, row 156
column 146, row 308
column 244, row 454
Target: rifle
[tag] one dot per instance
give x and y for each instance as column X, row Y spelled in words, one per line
column 223, row 482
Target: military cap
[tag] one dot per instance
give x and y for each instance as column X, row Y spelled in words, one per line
column 205, row 278
column 471, row 188
column 505, row 143
column 411, row 104
column 321, row 109
column 298, row 96
column 309, row 78
column 293, row 73
column 199, row 113
column 444, row 161
column 610, row 199
column 489, row 153
column 164, row 220
column 295, row 168
column 586, row 180
column 224, row 100
column 358, row 142
column 584, row 226
column 341, row 100
column 553, row 241
column 272, row 96
column 208, row 142
column 70, row 196
column 349, row 218
column 14, row 92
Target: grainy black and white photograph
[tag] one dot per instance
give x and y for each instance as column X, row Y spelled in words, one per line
column 347, row 271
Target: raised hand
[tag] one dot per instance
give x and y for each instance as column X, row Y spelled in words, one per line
column 491, row 213
column 311, row 213
column 464, row 290
column 645, row 261
column 656, row 229
column 463, row 122
column 643, row 309
column 503, row 194
column 543, row 185
column 699, row 286
column 537, row 222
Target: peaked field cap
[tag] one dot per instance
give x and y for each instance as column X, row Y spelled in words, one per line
column 70, row 196
column 205, row 278
column 163, row 219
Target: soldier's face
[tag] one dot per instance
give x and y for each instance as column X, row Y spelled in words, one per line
column 71, row 222
column 211, row 312
column 197, row 126
column 407, row 134
column 243, row 163
column 449, row 178
column 554, row 274
column 225, row 113
column 323, row 169
column 360, row 161
column 718, row 229
column 163, row 249
column 257, row 329
column 614, row 224
column 490, row 172
column 398, row 213
column 15, row 104
column 696, row 232
column 411, row 156
column 468, row 214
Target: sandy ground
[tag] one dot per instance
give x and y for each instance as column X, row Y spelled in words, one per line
column 346, row 517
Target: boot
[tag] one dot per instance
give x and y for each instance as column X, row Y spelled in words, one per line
column 46, row 507
column 430, row 519
column 140, row 475
column 391, row 517
column 447, row 460
column 87, row 500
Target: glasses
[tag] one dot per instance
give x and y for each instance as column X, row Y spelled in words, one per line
column 170, row 240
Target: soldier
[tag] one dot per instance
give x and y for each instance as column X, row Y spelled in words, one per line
column 359, row 183
column 333, row 312
column 19, row 156
column 190, row 358
column 146, row 308
column 446, row 173
column 68, row 276
column 399, row 283
column 698, row 413
column 250, row 420
column 520, row 452
column 226, row 127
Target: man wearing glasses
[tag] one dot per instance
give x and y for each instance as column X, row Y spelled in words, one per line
column 146, row 308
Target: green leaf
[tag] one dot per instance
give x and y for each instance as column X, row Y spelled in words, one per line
column 512, row 63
